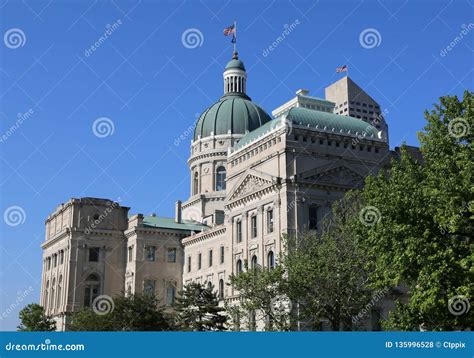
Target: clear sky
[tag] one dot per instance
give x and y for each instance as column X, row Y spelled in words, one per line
column 147, row 83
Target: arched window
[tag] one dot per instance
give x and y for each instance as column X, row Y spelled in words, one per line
column 253, row 262
column 170, row 295
column 271, row 260
column 220, row 178
column 221, row 289
column 209, row 285
column 91, row 289
column 196, row 183
column 238, row 267
column 58, row 299
column 129, row 290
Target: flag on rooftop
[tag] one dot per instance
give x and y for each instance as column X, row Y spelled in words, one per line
column 342, row 69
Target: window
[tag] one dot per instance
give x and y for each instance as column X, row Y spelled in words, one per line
column 313, row 217
column 271, row 260
column 46, row 294
column 199, row 261
column 220, row 178
column 254, row 225
column 150, row 253
column 51, row 304
column 48, row 263
column 210, row 258
column 221, row 289
column 91, row 289
column 170, row 294
column 58, row 299
column 149, row 287
column 222, row 254
column 238, row 266
column 209, row 285
column 130, row 254
column 94, row 254
column 171, row 255
column 189, row 263
column 196, row 183
column 270, row 221
column 61, row 256
column 239, row 231
column 253, row 262
column 55, row 260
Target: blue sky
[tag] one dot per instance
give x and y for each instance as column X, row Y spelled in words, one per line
column 149, row 86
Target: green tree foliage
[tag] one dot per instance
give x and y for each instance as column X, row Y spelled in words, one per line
column 327, row 278
column 33, row 318
column 197, row 309
column 262, row 292
column 424, row 237
column 138, row 312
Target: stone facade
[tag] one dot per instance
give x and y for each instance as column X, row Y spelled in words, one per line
column 247, row 189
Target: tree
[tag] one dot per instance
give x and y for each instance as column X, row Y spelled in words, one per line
column 327, row 277
column 197, row 309
column 424, row 238
column 262, row 292
column 137, row 312
column 33, row 318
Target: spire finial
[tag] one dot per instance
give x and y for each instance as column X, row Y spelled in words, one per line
column 235, row 55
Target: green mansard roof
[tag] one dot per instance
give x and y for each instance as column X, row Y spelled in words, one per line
column 170, row 223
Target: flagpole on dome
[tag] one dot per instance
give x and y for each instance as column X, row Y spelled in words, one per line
column 235, row 36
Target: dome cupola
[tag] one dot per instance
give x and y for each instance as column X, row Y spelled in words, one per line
column 234, row 113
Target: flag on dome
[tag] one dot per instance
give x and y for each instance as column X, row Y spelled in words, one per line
column 342, row 69
column 229, row 30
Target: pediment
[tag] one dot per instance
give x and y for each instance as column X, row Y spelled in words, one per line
column 251, row 182
column 329, row 175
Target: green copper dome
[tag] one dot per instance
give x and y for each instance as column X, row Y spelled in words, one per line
column 233, row 114
column 235, row 63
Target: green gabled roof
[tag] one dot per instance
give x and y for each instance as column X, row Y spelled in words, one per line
column 170, row 223
column 253, row 135
column 330, row 122
column 318, row 120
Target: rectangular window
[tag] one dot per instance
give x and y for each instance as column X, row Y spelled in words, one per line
column 170, row 293
column 222, row 254
column 239, row 231
column 189, row 263
column 55, row 260
column 130, row 254
column 61, row 255
column 269, row 221
column 150, row 253
column 254, row 226
column 199, row 261
column 210, row 258
column 94, row 254
column 313, row 217
column 171, row 255
column 149, row 287
column 90, row 294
